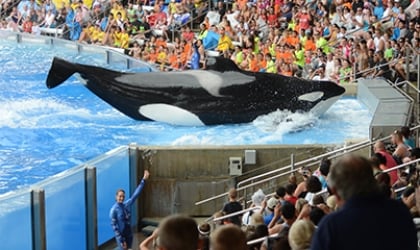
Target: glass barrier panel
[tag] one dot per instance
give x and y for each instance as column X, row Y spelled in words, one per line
column 89, row 50
column 65, row 210
column 112, row 174
column 141, row 64
column 118, row 59
column 15, row 221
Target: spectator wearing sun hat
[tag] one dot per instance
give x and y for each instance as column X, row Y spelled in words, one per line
column 267, row 209
column 257, row 200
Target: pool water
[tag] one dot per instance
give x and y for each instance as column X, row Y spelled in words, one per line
column 43, row 132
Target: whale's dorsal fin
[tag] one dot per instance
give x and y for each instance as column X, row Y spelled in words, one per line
column 221, row 64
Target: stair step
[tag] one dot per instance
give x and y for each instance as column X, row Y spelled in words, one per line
column 150, row 221
column 147, row 231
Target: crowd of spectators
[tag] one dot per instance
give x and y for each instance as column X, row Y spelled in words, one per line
column 336, row 40
column 351, row 198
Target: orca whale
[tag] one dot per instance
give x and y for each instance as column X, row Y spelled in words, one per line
column 220, row 94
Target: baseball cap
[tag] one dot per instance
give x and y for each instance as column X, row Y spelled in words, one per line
column 272, row 202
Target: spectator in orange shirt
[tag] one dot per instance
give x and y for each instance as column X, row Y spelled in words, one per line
column 153, row 55
column 264, row 47
column 187, row 48
column 172, row 59
column 280, row 52
column 292, row 39
column 183, row 57
column 286, row 70
column 160, row 42
column 262, row 63
column 288, row 55
column 253, row 63
column 310, row 43
column 241, row 4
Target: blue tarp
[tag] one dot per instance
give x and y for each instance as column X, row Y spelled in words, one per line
column 195, row 58
column 211, row 40
column 74, row 27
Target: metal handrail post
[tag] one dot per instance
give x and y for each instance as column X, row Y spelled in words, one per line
column 292, row 161
column 91, row 209
column 192, row 19
column 407, row 63
column 244, row 201
column 39, row 238
column 133, row 176
column 418, row 92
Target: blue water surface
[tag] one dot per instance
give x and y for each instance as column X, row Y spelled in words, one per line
column 43, row 132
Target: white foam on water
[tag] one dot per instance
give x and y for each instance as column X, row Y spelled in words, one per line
column 283, row 121
column 285, row 127
column 353, row 116
column 31, row 113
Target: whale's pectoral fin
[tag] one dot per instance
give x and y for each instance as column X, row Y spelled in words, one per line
column 60, row 71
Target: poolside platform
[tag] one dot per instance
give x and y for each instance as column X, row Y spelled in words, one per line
column 149, row 225
column 137, row 239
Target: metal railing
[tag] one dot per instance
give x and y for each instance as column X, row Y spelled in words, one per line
column 216, row 219
column 401, row 166
column 177, row 27
column 255, row 241
column 290, row 169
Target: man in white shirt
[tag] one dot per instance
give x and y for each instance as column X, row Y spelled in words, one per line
column 319, row 74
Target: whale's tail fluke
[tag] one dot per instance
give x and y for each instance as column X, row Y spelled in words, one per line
column 60, row 71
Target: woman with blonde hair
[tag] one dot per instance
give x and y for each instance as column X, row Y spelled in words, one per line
column 300, row 234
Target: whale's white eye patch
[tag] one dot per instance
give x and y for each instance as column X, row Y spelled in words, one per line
column 311, row 97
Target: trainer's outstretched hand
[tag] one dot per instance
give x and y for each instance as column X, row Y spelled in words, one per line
column 146, row 175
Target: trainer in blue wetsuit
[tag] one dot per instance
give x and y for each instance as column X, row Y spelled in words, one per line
column 120, row 215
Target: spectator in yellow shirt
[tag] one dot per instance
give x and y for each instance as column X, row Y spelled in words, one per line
column 86, row 35
column 97, row 35
column 225, row 43
column 117, row 7
column 162, row 54
column 271, row 66
column 121, row 38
